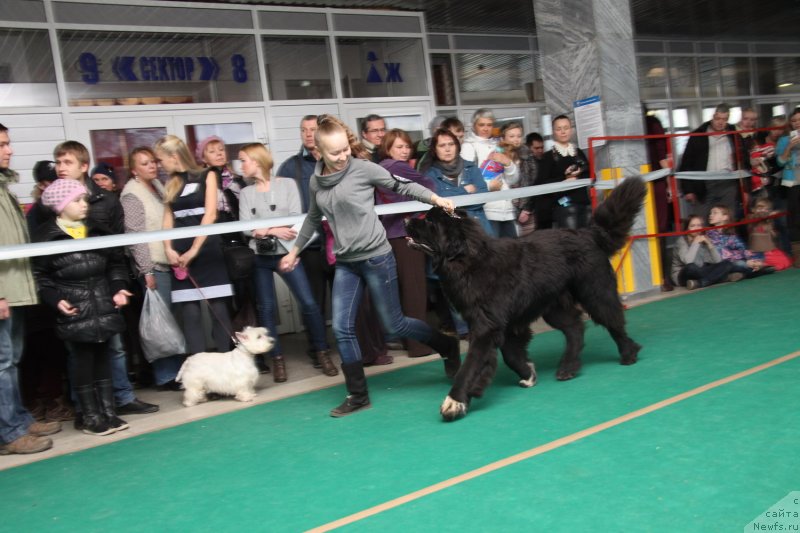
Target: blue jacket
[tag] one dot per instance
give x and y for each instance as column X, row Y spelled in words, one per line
column 791, row 167
column 471, row 176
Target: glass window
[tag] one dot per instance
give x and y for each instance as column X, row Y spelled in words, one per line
column 683, row 79
column 113, row 146
column 111, row 68
column 680, row 124
column 24, row 11
column 735, row 76
column 443, row 81
column 662, row 115
column 733, row 117
column 27, row 75
column 709, row 76
column 652, row 77
column 777, row 75
column 496, row 78
column 235, row 135
column 411, row 124
column 122, row 15
column 680, row 118
column 381, row 67
column 298, row 68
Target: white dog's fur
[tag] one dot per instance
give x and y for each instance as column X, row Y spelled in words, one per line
column 232, row 374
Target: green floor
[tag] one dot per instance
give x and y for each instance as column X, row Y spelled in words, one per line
column 709, row 463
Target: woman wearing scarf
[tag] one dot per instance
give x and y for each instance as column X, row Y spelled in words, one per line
column 454, row 176
column 564, row 162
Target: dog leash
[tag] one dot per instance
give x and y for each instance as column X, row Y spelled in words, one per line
column 221, row 323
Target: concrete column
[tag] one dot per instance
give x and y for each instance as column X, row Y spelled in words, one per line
column 587, row 50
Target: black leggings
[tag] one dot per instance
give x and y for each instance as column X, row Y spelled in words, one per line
column 90, row 362
column 193, row 325
column 708, row 274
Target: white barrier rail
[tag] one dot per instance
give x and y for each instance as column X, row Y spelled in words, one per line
column 715, row 175
column 127, row 239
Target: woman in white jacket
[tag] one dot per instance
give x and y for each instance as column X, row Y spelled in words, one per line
column 480, row 148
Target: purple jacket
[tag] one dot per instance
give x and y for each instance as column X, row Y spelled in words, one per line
column 395, row 224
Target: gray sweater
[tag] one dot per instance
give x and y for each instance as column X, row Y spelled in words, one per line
column 283, row 195
column 347, row 199
column 696, row 253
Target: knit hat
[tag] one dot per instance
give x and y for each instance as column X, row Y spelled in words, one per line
column 201, row 146
column 44, row 171
column 61, row 192
column 105, row 169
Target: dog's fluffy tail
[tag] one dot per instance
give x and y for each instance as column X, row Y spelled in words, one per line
column 179, row 377
column 613, row 219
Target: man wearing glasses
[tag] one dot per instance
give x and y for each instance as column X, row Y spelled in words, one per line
column 373, row 130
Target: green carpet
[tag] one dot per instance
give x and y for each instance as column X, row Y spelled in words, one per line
column 710, row 463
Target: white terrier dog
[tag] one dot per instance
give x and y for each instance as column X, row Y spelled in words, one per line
column 232, row 374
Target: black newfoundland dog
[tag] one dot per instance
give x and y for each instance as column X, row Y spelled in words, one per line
column 501, row 286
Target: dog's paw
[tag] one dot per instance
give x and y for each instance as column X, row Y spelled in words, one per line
column 452, row 410
column 245, row 396
column 531, row 381
column 568, row 370
column 631, row 355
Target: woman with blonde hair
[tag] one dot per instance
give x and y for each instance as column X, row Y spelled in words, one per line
column 343, row 190
column 191, row 200
column 271, row 196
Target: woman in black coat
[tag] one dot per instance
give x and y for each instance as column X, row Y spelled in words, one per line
column 86, row 289
column 564, row 162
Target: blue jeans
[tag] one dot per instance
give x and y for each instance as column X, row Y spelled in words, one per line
column 14, row 418
column 266, row 266
column 504, row 228
column 123, row 390
column 379, row 275
column 166, row 368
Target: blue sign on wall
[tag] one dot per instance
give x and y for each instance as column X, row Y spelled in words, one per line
column 161, row 68
column 392, row 71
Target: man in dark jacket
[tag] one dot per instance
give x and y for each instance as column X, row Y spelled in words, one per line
column 105, row 211
column 300, row 166
column 712, row 153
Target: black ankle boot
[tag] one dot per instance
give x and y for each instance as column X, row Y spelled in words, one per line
column 449, row 349
column 105, row 392
column 356, row 383
column 94, row 422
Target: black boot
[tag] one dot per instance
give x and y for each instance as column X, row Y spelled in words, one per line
column 356, row 383
column 94, row 423
column 105, row 391
column 449, row 349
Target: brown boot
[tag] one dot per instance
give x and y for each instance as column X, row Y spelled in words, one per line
column 38, row 410
column 27, row 444
column 59, row 411
column 327, row 366
column 278, row 369
column 42, row 429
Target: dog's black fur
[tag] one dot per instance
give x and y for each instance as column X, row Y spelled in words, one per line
column 501, row 286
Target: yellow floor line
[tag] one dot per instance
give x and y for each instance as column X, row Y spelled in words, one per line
column 533, row 452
